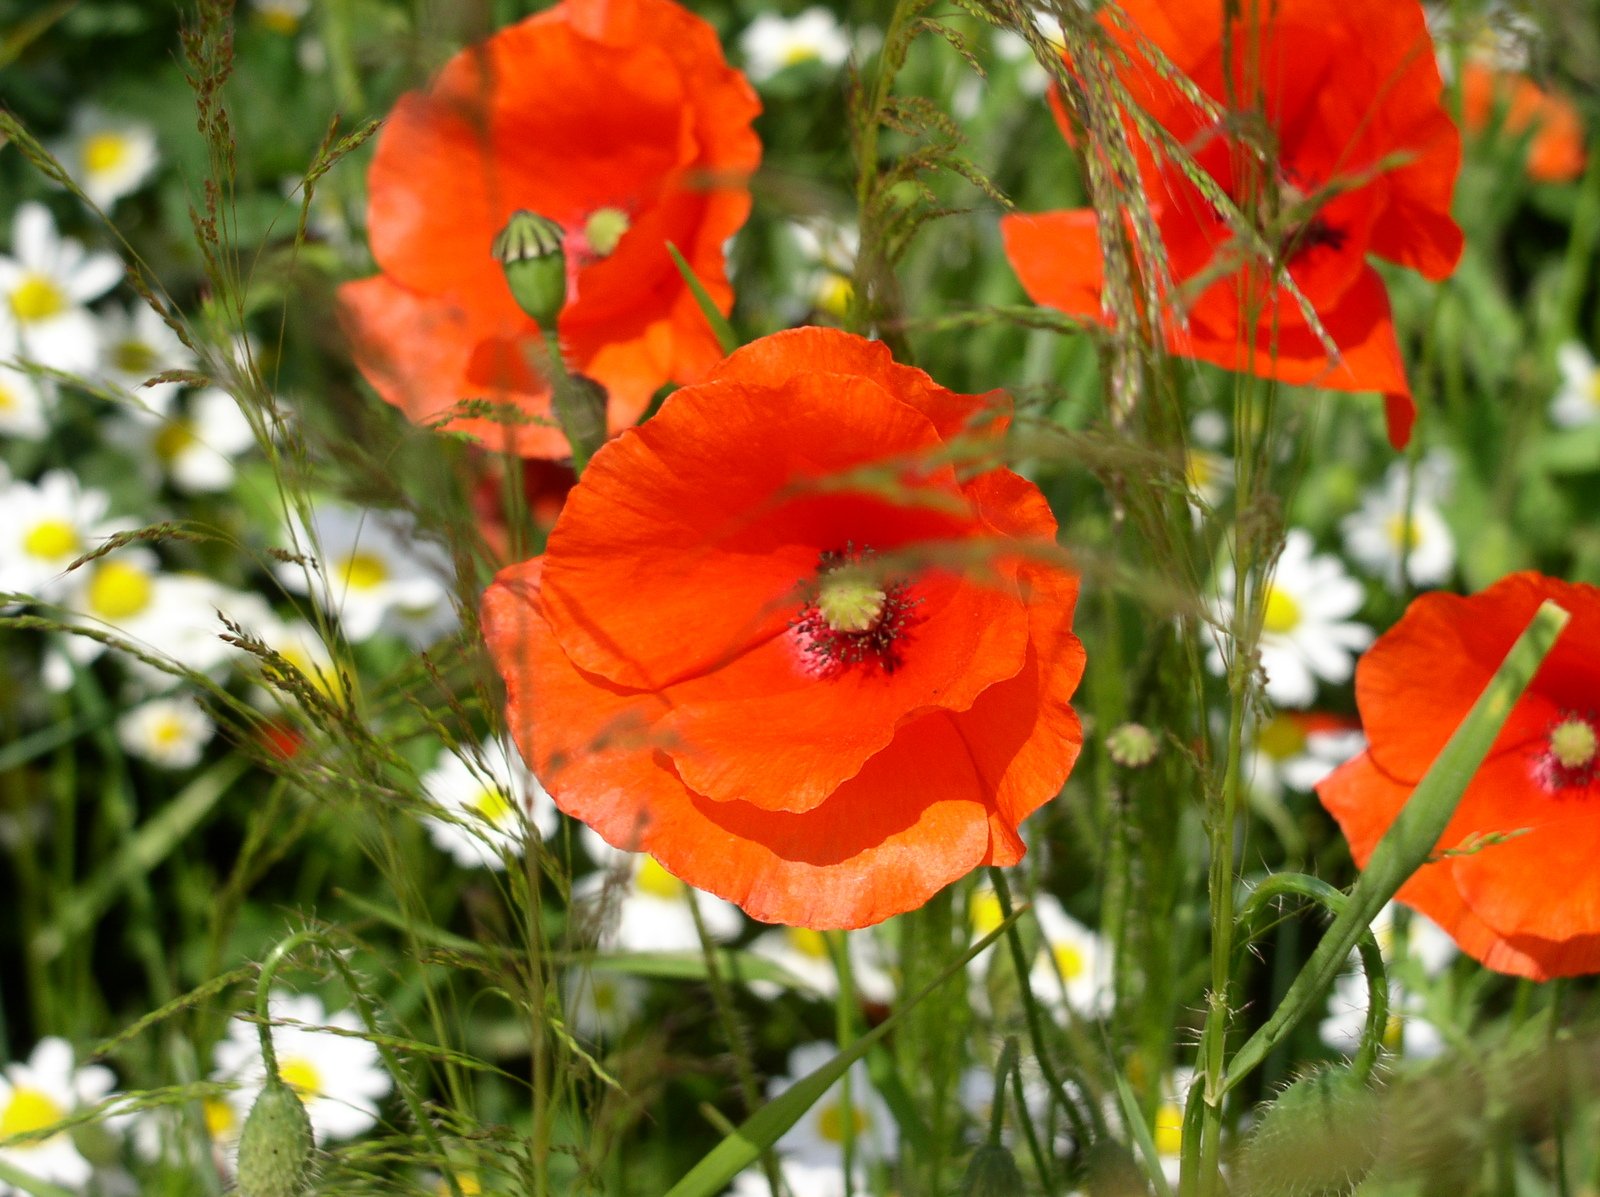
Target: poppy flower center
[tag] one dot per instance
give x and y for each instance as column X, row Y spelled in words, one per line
column 852, row 614
column 1571, row 756
column 604, row 229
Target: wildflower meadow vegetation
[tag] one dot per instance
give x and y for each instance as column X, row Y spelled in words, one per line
column 904, row 598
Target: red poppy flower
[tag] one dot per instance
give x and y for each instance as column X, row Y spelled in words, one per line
column 1351, row 93
column 1520, row 891
column 1556, row 153
column 619, row 120
column 789, row 642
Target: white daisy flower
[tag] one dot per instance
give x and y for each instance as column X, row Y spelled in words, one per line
column 771, row 43
column 169, row 732
column 975, row 1091
column 25, row 401
column 194, row 440
column 338, row 1077
column 374, row 573
column 637, row 905
column 108, row 156
column 129, row 593
column 281, row 16
column 1423, row 940
column 801, row 1179
column 601, row 1003
column 1306, row 633
column 804, row 953
column 1578, row 401
column 300, row 646
column 485, row 805
column 1379, row 536
column 44, row 286
column 1296, row 750
column 817, row 1139
column 1167, row 1128
column 1072, row 970
column 829, row 249
column 40, row 1093
column 136, row 345
column 1011, row 47
column 47, row 526
column 1406, row 1032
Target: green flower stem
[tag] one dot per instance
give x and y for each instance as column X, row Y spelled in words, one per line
column 738, row 1047
column 1410, row 840
column 269, row 972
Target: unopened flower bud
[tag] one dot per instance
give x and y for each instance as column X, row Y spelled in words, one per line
column 992, row 1173
column 580, row 404
column 529, row 250
column 1132, row 745
column 275, row 1145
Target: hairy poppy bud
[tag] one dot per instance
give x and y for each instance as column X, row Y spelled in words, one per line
column 275, row 1145
column 1319, row 1138
column 529, row 250
column 992, row 1173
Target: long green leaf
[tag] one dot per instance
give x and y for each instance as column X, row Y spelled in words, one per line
column 726, row 337
column 143, row 851
column 1405, row 847
column 23, row 1182
column 763, row 1128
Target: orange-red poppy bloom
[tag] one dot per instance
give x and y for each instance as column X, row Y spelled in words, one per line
column 619, row 120
column 790, row 641
column 1519, row 890
column 1364, row 165
column 1556, row 151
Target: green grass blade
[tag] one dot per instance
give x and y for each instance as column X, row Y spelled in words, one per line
column 1409, row 841
column 726, row 337
column 32, row 1185
column 763, row 1128
column 144, row 850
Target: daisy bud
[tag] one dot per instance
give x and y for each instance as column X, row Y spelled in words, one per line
column 1132, row 745
column 992, row 1173
column 275, row 1145
column 530, row 251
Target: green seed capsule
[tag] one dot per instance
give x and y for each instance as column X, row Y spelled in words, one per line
column 275, row 1145
column 529, row 250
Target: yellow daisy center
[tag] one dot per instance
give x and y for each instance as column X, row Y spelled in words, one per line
column 1594, row 388
column 51, row 540
column 1402, row 533
column 1281, row 614
column 38, row 298
column 279, row 20
column 168, row 730
column 301, row 1075
column 807, row 942
column 1574, row 743
column 1281, row 738
column 492, row 804
column 983, row 913
column 119, row 590
column 1169, row 1129
column 654, row 880
column 175, row 438
column 104, row 152
column 798, row 52
column 29, row 1110
column 134, row 357
column 835, row 294
column 8, row 398
column 219, row 1116
column 1070, row 961
column 363, row 571
column 831, row 1121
